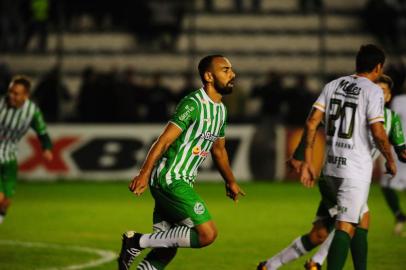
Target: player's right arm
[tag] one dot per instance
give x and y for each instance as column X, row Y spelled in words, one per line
column 140, row 182
column 307, row 174
column 185, row 114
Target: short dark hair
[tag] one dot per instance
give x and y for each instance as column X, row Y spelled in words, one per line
column 368, row 57
column 205, row 64
column 23, row 80
column 386, row 79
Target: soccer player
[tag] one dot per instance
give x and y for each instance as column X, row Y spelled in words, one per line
column 393, row 127
column 181, row 217
column 389, row 186
column 17, row 115
column 350, row 106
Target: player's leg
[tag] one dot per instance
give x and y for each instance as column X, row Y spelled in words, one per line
column 391, row 196
column 352, row 195
column 181, row 205
column 299, row 247
column 359, row 243
column 320, row 256
column 8, row 180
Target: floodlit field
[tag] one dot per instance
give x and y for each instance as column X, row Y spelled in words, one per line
column 76, row 225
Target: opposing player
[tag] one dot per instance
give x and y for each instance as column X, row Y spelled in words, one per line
column 17, row 114
column 393, row 127
column 350, row 107
column 181, row 217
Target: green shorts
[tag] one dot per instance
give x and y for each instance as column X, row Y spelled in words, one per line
column 179, row 203
column 8, row 178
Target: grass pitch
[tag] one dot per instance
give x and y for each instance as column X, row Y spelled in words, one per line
column 93, row 215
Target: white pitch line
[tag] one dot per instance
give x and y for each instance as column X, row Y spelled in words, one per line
column 105, row 255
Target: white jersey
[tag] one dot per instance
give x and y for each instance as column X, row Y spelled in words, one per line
column 350, row 104
column 399, row 106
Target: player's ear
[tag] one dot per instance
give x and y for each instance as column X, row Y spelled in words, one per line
column 208, row 77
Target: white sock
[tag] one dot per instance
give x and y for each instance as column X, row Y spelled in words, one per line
column 292, row 252
column 174, row 237
column 146, row 265
column 321, row 255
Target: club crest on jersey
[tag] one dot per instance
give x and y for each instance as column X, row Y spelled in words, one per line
column 199, row 208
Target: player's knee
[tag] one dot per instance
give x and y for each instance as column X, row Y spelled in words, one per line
column 207, row 237
column 318, row 236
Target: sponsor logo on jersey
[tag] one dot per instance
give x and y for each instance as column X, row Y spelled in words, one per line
column 186, row 113
column 208, row 136
column 349, row 88
column 341, row 144
column 198, row 208
column 338, row 161
column 198, row 152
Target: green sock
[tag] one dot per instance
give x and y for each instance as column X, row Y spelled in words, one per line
column 338, row 251
column 392, row 199
column 307, row 244
column 359, row 249
column 194, row 239
column 158, row 258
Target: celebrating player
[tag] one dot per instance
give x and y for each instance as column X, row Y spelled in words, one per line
column 351, row 106
column 181, row 217
column 17, row 115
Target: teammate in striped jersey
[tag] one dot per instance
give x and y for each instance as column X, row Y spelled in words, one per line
column 197, row 128
column 17, row 115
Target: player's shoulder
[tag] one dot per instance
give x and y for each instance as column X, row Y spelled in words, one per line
column 190, row 100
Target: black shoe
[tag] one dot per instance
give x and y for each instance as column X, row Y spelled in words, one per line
column 130, row 248
column 310, row 265
column 261, row 266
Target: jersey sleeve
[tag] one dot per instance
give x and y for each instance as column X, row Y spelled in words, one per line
column 39, row 126
column 321, row 101
column 222, row 132
column 185, row 114
column 375, row 106
column 396, row 135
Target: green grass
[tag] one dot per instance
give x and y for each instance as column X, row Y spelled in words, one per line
column 95, row 214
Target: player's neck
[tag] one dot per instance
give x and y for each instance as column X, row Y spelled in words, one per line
column 367, row 75
column 212, row 93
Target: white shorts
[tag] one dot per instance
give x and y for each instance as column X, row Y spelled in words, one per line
column 352, row 197
column 397, row 182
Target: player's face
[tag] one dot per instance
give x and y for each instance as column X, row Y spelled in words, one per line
column 17, row 95
column 386, row 91
column 223, row 75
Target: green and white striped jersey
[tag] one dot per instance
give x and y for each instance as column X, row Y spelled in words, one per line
column 394, row 130
column 14, row 123
column 202, row 122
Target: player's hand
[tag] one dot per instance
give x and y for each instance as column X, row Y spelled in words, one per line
column 233, row 190
column 139, row 184
column 294, row 165
column 391, row 167
column 307, row 175
column 47, row 155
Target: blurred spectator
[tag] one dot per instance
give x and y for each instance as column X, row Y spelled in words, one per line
column 300, row 100
column 386, row 27
column 159, row 100
column 255, row 5
column 307, row 6
column 188, row 87
column 38, row 23
column 235, row 105
column 5, row 78
column 272, row 96
column 11, row 25
column 130, row 97
column 50, row 93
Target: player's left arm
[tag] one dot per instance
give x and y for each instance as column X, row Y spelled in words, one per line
column 220, row 158
column 397, row 138
column 307, row 174
column 40, row 128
